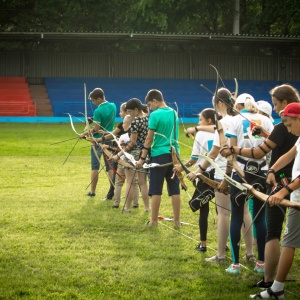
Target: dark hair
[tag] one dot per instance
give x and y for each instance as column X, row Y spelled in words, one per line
column 225, row 96
column 209, row 113
column 154, row 94
column 97, row 93
column 136, row 103
column 285, row 92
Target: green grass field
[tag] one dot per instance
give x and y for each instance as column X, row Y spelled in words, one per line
column 57, row 243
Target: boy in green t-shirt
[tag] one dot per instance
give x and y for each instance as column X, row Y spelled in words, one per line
column 104, row 119
column 162, row 133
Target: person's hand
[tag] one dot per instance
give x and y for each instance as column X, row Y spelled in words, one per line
column 139, row 164
column 271, row 179
column 115, row 158
column 177, row 168
column 82, row 135
column 191, row 130
column 226, row 151
column 191, row 176
column 259, row 131
column 276, row 198
column 105, row 146
column 101, row 131
column 223, row 186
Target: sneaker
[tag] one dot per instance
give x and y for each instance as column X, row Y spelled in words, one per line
column 90, row 194
column 200, row 248
column 233, row 269
column 259, row 268
column 262, row 284
column 215, row 258
column 115, row 206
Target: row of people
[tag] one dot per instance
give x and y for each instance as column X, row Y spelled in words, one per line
column 160, row 133
column 251, row 152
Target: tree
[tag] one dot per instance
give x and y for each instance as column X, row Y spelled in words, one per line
column 178, row 16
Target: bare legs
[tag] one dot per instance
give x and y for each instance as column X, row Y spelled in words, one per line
column 156, row 199
column 142, row 180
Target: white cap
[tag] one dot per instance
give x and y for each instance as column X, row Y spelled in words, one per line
column 243, row 97
column 266, row 108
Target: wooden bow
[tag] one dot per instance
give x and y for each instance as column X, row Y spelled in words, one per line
column 178, row 174
column 263, row 197
column 214, row 184
column 109, row 154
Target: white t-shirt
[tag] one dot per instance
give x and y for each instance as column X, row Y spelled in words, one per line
column 240, row 129
column 220, row 160
column 295, row 196
column 124, row 138
column 202, row 144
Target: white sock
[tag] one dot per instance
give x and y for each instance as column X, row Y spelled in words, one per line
column 277, row 286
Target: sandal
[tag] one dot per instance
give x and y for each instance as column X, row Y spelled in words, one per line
column 215, row 258
column 277, row 295
column 250, row 257
column 148, row 223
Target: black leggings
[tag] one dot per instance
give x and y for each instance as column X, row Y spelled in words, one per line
column 237, row 214
column 203, row 221
column 204, row 210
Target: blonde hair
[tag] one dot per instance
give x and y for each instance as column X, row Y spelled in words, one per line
column 251, row 106
column 127, row 119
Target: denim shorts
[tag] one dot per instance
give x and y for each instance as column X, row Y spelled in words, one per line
column 95, row 163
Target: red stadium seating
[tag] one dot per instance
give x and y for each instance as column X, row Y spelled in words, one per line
column 15, row 99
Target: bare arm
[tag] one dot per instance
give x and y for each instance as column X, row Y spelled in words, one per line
column 207, row 128
column 108, row 136
column 205, row 164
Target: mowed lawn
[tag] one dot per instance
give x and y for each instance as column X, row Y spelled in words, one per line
column 57, row 243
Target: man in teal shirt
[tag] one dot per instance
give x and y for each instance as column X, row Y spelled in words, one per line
column 162, row 133
column 104, row 119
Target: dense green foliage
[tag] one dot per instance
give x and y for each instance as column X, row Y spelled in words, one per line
column 256, row 17
column 56, row 243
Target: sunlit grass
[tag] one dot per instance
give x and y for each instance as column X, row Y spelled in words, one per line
column 56, row 243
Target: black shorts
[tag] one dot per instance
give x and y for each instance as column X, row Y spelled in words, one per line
column 158, row 174
column 275, row 216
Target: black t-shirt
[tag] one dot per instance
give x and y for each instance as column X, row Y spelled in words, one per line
column 284, row 141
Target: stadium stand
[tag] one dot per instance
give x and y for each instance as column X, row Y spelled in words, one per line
column 67, row 94
column 15, row 99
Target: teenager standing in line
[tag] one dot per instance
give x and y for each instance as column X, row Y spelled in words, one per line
column 137, row 134
column 291, row 237
column 104, row 118
column 120, row 130
column 163, row 134
column 255, row 170
column 203, row 193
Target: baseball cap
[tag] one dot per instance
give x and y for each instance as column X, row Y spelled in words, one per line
column 292, row 110
column 241, row 99
column 135, row 103
column 266, row 108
